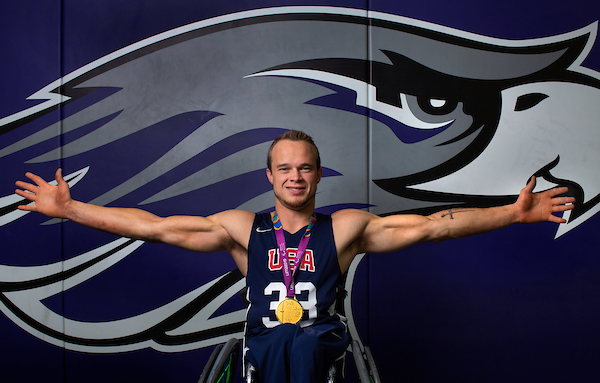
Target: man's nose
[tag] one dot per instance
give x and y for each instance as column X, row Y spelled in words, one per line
column 296, row 175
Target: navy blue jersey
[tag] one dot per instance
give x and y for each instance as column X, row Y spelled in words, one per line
column 315, row 281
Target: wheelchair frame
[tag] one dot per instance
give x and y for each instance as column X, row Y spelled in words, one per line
column 222, row 363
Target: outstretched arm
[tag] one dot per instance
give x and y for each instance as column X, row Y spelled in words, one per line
column 530, row 207
column 364, row 232
column 222, row 231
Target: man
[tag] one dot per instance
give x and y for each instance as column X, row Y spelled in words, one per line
column 287, row 341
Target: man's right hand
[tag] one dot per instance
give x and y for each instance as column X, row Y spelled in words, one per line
column 50, row 200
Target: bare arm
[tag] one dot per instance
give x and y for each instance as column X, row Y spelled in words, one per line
column 360, row 231
column 228, row 230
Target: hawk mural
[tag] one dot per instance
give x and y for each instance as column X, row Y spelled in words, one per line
column 409, row 116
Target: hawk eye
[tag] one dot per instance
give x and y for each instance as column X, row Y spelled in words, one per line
column 437, row 103
column 436, row 106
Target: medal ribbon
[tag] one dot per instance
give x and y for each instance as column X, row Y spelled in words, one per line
column 288, row 276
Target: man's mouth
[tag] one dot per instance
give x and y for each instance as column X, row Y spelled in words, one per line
column 295, row 190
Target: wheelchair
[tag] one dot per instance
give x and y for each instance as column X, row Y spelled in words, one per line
column 222, row 363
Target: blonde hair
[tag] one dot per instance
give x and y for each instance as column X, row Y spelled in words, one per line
column 294, row 135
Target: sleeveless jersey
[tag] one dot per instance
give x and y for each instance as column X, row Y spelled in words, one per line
column 315, row 281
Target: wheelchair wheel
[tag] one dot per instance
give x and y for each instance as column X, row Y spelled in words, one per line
column 223, row 368
column 371, row 366
column 359, row 361
column 209, row 364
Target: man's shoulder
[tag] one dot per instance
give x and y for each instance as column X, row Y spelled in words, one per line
column 351, row 216
column 234, row 214
column 237, row 223
column 350, row 222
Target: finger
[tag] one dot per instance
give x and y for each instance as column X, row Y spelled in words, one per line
column 531, row 185
column 563, row 200
column 26, row 194
column 556, row 219
column 558, row 190
column 31, row 207
column 37, row 179
column 559, row 208
column 26, row 186
column 58, row 177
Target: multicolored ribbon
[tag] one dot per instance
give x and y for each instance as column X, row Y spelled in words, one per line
column 288, row 276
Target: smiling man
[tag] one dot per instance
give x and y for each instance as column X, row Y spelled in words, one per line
column 293, row 258
column 296, row 174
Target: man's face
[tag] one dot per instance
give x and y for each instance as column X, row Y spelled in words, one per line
column 294, row 174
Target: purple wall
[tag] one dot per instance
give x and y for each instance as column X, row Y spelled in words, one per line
column 172, row 126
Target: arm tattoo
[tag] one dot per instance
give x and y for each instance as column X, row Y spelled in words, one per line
column 451, row 212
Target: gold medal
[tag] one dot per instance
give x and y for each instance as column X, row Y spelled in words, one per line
column 289, row 311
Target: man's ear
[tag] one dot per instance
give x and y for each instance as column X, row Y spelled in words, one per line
column 319, row 174
column 270, row 176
